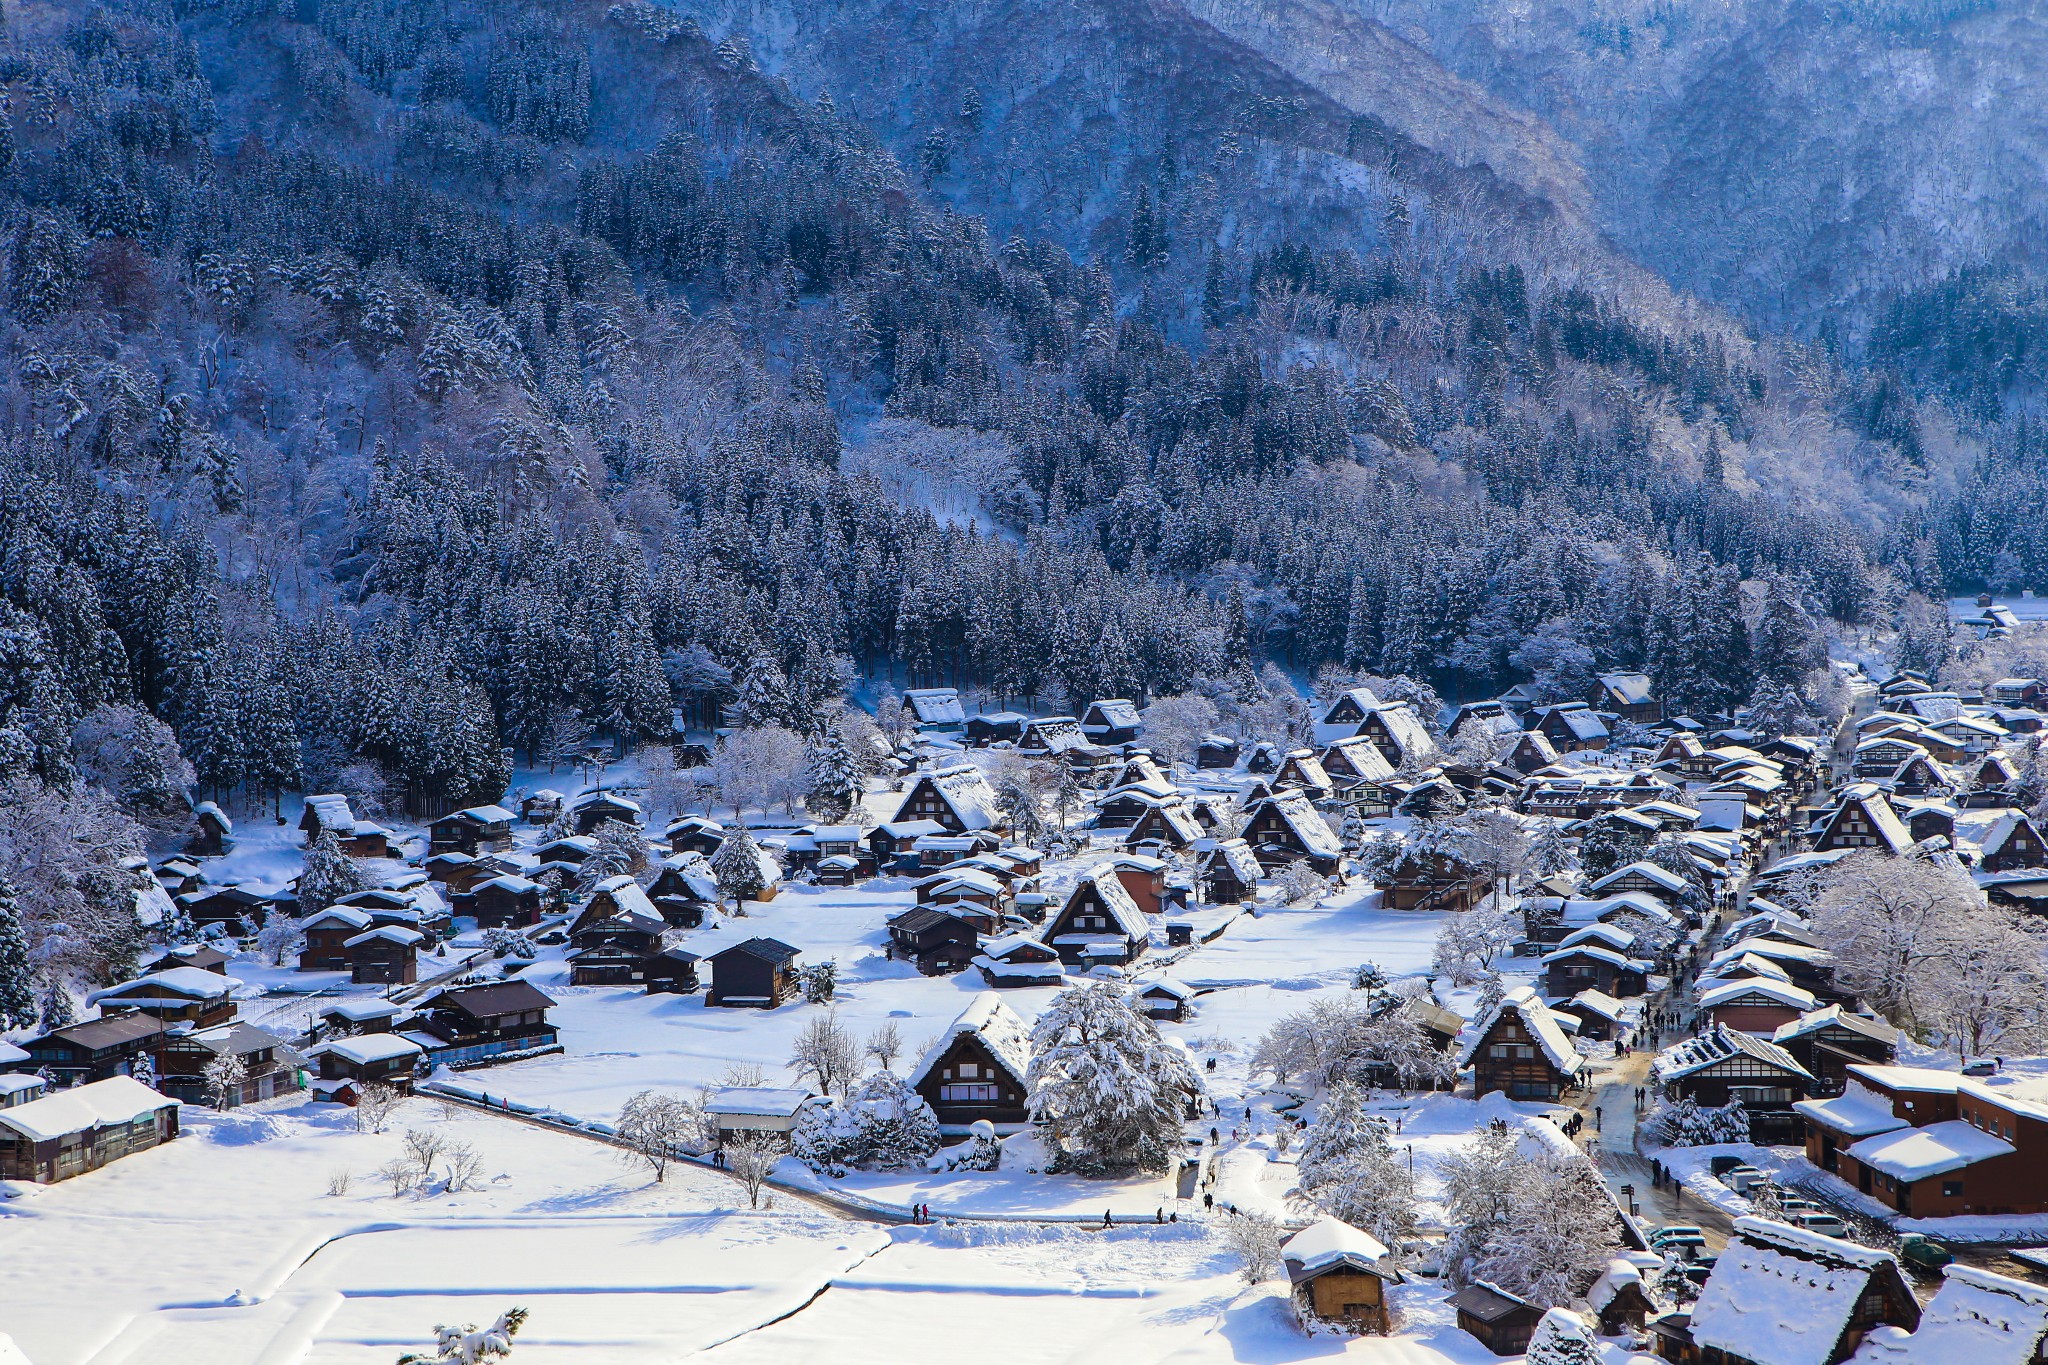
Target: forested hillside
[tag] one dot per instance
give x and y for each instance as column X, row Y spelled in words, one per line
column 396, row 383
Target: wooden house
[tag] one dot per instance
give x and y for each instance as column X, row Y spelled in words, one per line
column 1591, row 966
column 1628, row 695
column 614, row 896
column 1285, row 828
column 1753, row 1004
column 1571, row 727
column 1400, row 735
column 96, row 1048
column 1227, row 872
column 1145, row 879
column 1099, row 924
column 177, row 995
column 1643, row 878
column 1531, row 752
column 269, row 1065
column 1601, row 1017
column 507, row 902
column 1725, row 1066
column 359, row 1014
column 1337, row 1276
column 670, row 969
column 1780, row 1295
column 957, row 798
column 203, row 956
column 1121, row 807
column 937, row 940
column 567, row 853
column 595, row 808
column 348, row 1064
column 1165, row 825
column 1830, row 1040
column 1522, row 1051
column 1351, row 707
column 331, row 814
column 975, row 1070
column 82, row 1129
column 1920, row 775
column 1016, row 960
column 459, row 872
column 996, row 727
column 1111, row 722
column 1360, row 773
column 1488, row 718
column 936, row 707
column 684, row 891
column 1864, row 818
column 1218, row 751
column 1165, row 999
column 476, row 1023
column 542, row 806
column 212, row 831
column 760, row 973
column 1434, row 881
column 179, row 874
column 1501, row 1321
column 612, row 949
column 2012, row 843
column 1301, row 768
column 385, row 955
column 474, row 830
column 755, row 1112
column 1621, row 1303
column 229, row 905
column 699, row 834
column 327, row 934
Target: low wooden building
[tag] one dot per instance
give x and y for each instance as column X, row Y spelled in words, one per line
column 1017, row 960
column 212, row 831
column 1337, row 1276
column 1522, row 1051
column 755, row 1111
column 1111, row 722
column 937, row 939
column 1501, row 1321
column 82, row 1129
column 348, row 1064
column 1217, row 751
column 996, row 727
column 2012, row 843
column 1727, row 1066
column 699, row 834
column 1779, row 1295
column 228, row 905
column 1593, row 966
column 476, row 1023
column 475, row 830
column 976, row 1068
column 1830, row 1040
column 327, row 934
column 1227, row 872
column 956, row 797
column 541, row 806
column 1099, row 924
column 385, row 955
column 507, row 902
column 1166, row 999
column 203, row 956
column 761, row 973
column 269, row 1064
column 1286, row 828
column 95, row 1049
column 187, row 995
column 592, row 809
column 1621, row 1302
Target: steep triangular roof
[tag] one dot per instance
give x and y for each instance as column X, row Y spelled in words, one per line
column 995, row 1025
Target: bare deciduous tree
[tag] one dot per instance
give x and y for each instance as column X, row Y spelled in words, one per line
column 751, row 1157
column 885, row 1044
column 376, row 1102
column 654, row 1128
column 823, row 1048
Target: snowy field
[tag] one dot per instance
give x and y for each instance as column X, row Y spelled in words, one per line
column 138, row 1264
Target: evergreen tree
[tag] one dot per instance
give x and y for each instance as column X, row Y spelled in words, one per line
column 737, row 866
column 1348, row 1169
column 1551, row 852
column 835, row 778
column 17, row 990
column 1110, row 1093
column 329, row 873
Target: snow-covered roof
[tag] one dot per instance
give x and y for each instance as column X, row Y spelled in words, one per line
column 965, row 790
column 1917, row 1080
column 118, row 1099
column 1976, row 1318
column 1619, row 1275
column 626, row 894
column 359, row 1010
column 1147, row 789
column 1118, row 712
column 1599, row 953
column 1607, row 935
column 1834, row 1016
column 1362, row 698
column 1305, row 820
column 1007, row 1037
column 387, row 933
column 1718, row 1045
column 1410, row 735
column 1911, row 1154
column 17, row 1082
column 607, row 798
column 1329, row 1242
column 332, row 810
column 1583, row 724
column 181, row 981
column 346, row 915
column 1856, row 1114
column 1179, row 818
column 1781, row 992
column 1602, row 1004
column 153, row 904
column 1362, row 756
column 935, row 705
column 1540, row 1023
column 10, row 1054
column 512, row 882
column 367, row 1048
column 1630, row 689
column 758, row 1101
column 1237, row 856
column 1782, row 1295
column 487, row 815
column 1651, row 872
column 1109, row 889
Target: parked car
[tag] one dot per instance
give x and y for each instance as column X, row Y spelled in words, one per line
column 1826, row 1224
column 1743, row 1179
column 1923, row 1252
column 1677, row 1240
column 1980, row 1068
column 1793, row 1206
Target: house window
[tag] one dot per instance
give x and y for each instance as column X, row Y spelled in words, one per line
column 970, row 1069
column 969, row 1094
column 1952, row 1189
column 1514, row 1051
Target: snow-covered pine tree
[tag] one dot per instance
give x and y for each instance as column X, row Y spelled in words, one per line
column 1562, row 1338
column 1110, row 1092
column 737, row 866
column 764, row 692
column 17, row 991
column 57, row 1009
column 834, row 776
column 329, row 873
column 1348, row 1169
column 1550, row 852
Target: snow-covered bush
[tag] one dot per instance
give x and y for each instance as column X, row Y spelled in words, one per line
column 1301, row 884
column 1685, row 1123
column 885, row 1125
column 819, row 981
column 509, row 943
column 1254, row 1239
column 1562, row 1338
column 469, row 1344
column 983, row 1151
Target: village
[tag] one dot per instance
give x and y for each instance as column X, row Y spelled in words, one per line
column 1517, row 1028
